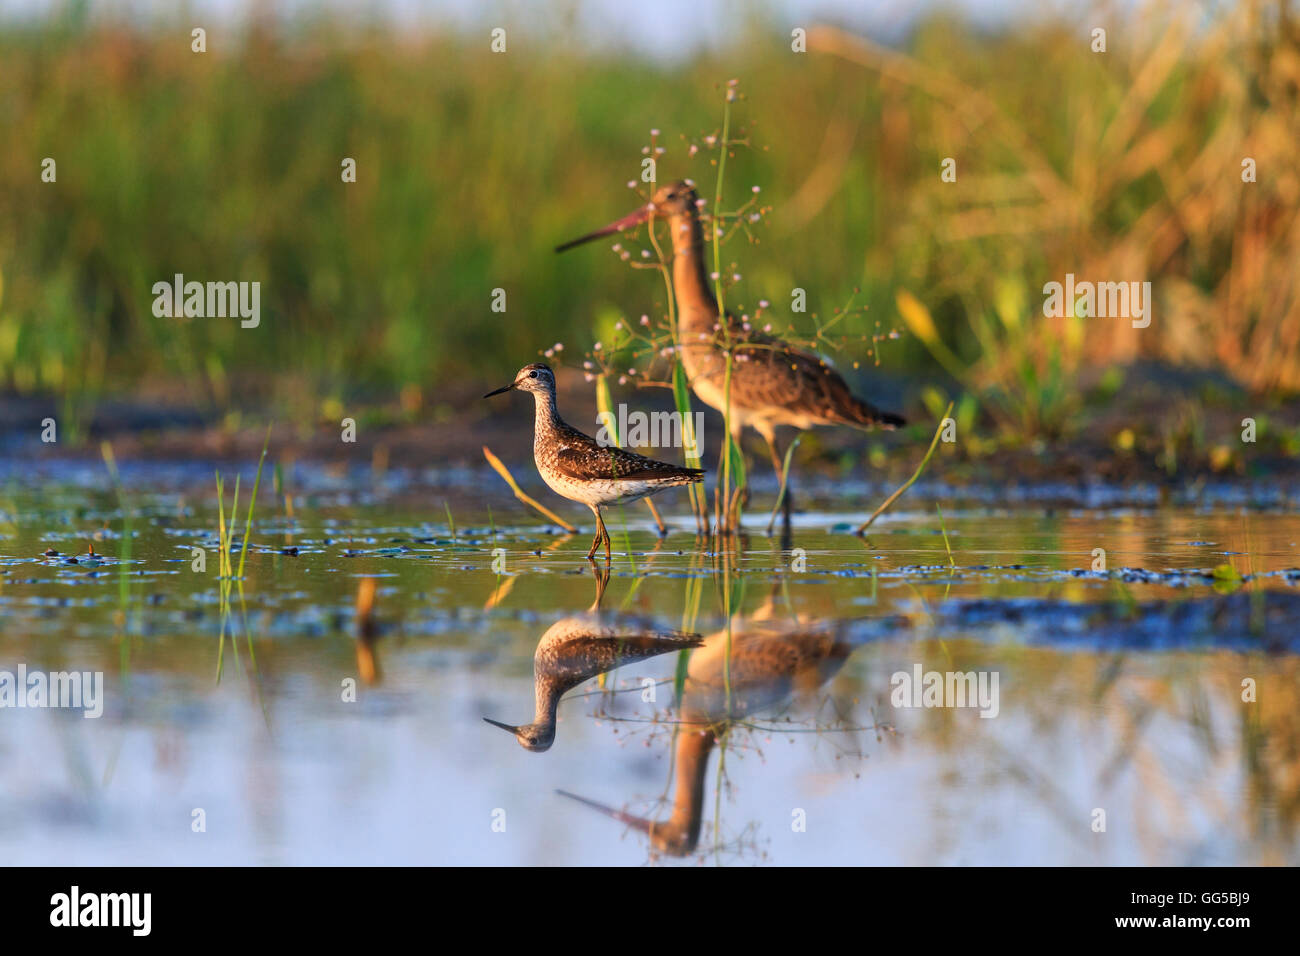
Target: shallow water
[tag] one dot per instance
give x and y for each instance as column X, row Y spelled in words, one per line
column 1117, row 690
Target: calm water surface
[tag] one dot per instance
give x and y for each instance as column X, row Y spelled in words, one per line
column 745, row 712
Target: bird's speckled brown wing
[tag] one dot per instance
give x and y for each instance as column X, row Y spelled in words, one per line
column 772, row 374
column 581, row 658
column 583, row 458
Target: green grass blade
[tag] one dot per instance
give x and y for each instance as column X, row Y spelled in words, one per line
column 230, row 531
column 934, row 443
column 248, row 525
column 682, row 399
column 221, row 527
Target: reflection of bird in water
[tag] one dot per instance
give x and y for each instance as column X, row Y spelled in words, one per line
column 578, row 648
column 769, row 662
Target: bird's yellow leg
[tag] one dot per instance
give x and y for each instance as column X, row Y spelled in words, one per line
column 769, row 435
column 600, row 523
column 600, row 534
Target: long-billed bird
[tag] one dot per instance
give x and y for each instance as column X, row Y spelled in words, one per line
column 772, row 382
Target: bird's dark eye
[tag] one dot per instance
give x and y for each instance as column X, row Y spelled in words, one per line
column 533, row 374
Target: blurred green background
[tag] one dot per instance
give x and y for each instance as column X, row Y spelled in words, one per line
column 1116, row 166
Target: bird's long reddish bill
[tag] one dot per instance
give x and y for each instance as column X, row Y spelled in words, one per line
column 630, row 221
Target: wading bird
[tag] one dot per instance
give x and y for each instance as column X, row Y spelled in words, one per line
column 579, row 468
column 772, row 382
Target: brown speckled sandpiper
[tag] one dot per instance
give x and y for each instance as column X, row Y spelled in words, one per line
column 579, row 468
column 772, row 382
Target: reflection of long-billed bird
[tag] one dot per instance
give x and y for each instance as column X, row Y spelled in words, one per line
column 577, row 648
column 769, row 662
column 772, row 382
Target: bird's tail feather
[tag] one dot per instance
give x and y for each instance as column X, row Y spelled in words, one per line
column 690, row 476
column 866, row 415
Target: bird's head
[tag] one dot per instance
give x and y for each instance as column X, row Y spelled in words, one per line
column 535, row 737
column 676, row 199
column 531, row 378
column 673, row 201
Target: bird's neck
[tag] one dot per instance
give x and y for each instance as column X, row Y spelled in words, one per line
column 547, row 419
column 697, row 310
column 547, row 696
column 681, row 831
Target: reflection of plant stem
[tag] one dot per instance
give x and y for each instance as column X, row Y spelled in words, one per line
column 951, row 564
column 123, row 595
column 722, row 737
column 252, row 659
column 124, row 560
column 925, row 605
column 221, row 572
column 944, row 529
column 1256, row 586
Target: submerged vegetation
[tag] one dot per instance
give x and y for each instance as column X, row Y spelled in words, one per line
column 228, row 574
